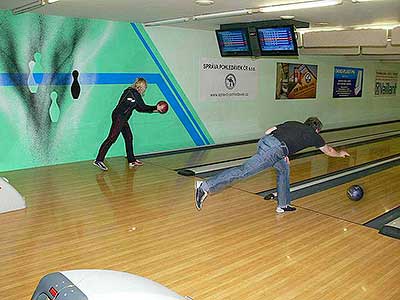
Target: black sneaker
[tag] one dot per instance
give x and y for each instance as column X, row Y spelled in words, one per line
column 100, row 165
column 289, row 208
column 200, row 195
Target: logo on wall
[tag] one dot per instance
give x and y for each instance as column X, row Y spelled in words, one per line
column 230, row 81
column 386, row 83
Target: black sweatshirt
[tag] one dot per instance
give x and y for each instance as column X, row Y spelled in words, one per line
column 130, row 100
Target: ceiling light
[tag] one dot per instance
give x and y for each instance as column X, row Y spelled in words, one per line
column 317, row 29
column 31, row 6
column 166, row 22
column 224, row 14
column 376, row 26
column 300, row 5
column 204, row 2
column 28, row 7
column 287, row 17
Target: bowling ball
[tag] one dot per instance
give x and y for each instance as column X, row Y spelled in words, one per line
column 162, row 107
column 355, row 192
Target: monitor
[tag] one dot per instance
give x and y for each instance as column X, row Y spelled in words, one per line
column 233, row 42
column 277, row 41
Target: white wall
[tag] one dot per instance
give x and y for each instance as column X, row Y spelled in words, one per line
column 182, row 50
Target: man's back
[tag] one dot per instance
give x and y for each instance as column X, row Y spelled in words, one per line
column 297, row 136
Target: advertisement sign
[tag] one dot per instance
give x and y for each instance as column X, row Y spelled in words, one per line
column 228, row 79
column 347, row 82
column 386, row 83
column 296, row 81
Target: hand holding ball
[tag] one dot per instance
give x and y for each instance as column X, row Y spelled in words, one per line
column 162, row 107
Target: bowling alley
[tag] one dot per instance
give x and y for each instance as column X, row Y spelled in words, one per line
column 200, row 150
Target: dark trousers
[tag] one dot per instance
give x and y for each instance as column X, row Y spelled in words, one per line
column 119, row 125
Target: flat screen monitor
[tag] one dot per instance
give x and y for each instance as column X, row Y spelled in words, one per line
column 233, row 42
column 277, row 41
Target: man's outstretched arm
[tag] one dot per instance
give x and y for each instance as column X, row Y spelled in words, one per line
column 330, row 151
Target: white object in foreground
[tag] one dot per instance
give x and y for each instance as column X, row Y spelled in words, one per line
column 101, row 285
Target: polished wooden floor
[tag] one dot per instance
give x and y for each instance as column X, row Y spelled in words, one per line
column 143, row 221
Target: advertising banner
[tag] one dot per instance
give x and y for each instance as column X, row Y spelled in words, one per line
column 347, row 82
column 296, row 81
column 228, row 79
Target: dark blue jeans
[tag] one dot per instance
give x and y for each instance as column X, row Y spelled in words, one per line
column 270, row 153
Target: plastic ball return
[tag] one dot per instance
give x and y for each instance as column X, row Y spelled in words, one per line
column 10, row 199
column 101, row 285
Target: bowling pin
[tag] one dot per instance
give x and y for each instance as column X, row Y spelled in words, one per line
column 32, row 85
column 75, row 87
column 54, row 110
column 37, row 70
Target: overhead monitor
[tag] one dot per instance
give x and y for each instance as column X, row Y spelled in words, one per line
column 277, row 41
column 233, row 42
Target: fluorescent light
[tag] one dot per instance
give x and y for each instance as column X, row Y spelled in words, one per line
column 204, row 2
column 318, row 29
column 28, row 7
column 224, row 14
column 166, row 22
column 300, row 5
column 376, row 26
column 31, row 6
column 287, row 17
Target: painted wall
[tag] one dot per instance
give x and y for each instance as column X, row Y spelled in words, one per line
column 42, row 124
column 240, row 120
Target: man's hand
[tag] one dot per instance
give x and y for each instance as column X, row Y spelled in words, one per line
column 287, row 160
column 330, row 151
column 343, row 153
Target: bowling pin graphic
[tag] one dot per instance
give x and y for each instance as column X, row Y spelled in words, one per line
column 75, row 87
column 54, row 110
column 32, row 85
column 37, row 70
column 358, row 85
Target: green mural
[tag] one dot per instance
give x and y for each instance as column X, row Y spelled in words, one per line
column 44, row 120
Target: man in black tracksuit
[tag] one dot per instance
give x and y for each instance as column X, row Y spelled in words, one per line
column 131, row 99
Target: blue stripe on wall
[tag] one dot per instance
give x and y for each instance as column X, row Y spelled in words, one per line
column 7, row 79
column 181, row 101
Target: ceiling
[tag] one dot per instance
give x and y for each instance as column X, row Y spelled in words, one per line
column 142, row 11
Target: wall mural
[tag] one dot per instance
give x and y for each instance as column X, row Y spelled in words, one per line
column 61, row 77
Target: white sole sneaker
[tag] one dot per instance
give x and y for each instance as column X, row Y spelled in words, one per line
column 100, row 165
column 198, row 200
column 197, row 184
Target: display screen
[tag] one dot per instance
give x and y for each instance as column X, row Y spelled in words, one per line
column 233, row 42
column 277, row 40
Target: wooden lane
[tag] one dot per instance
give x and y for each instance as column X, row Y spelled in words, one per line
column 143, row 221
column 312, row 166
column 200, row 157
column 360, row 131
column 382, row 194
column 209, row 156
